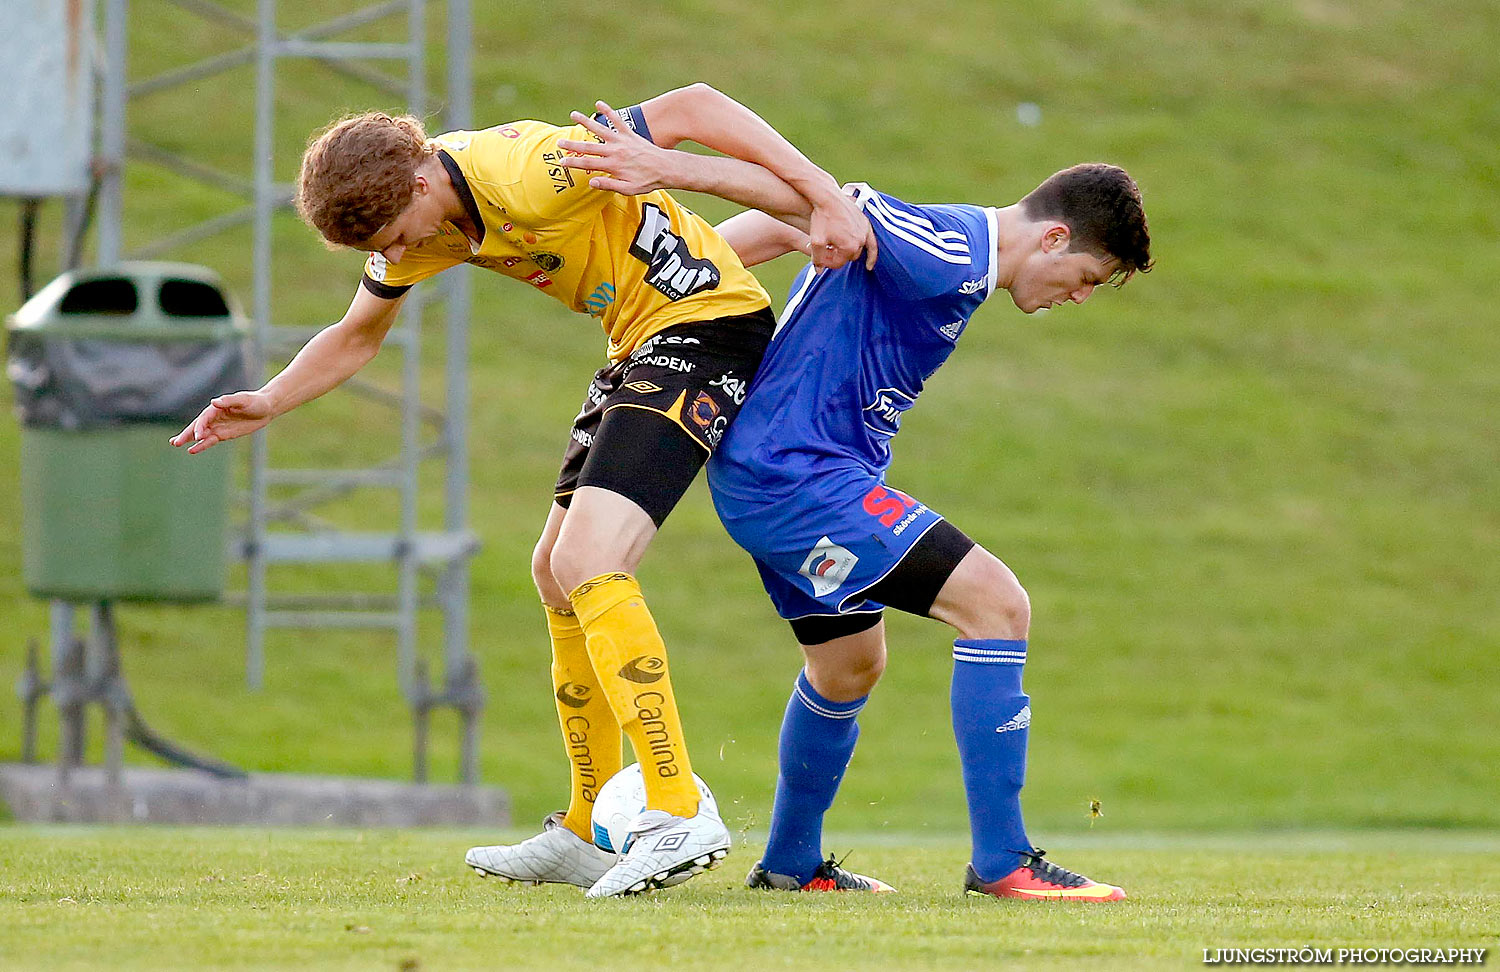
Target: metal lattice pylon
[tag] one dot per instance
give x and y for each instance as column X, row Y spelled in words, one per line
column 409, row 550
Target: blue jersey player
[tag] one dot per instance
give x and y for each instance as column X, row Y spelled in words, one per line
column 799, row 480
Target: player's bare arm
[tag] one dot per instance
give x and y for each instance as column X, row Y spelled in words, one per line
column 702, row 114
column 328, row 360
column 633, row 165
column 624, row 162
column 758, row 237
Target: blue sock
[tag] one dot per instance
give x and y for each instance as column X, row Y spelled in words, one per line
column 990, row 719
column 817, row 739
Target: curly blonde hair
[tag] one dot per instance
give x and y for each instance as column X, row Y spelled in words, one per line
column 358, row 174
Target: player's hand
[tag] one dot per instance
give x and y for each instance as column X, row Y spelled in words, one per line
column 226, row 417
column 622, row 161
column 872, row 245
column 840, row 232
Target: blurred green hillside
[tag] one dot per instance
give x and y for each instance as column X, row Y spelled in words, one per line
column 1255, row 495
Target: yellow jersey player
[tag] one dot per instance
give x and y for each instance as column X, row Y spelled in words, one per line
column 687, row 328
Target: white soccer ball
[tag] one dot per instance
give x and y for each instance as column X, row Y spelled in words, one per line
column 622, row 798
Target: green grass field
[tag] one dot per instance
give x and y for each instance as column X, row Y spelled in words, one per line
column 1253, row 497
column 257, row 899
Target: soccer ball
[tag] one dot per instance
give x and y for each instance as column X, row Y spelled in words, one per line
column 621, row 798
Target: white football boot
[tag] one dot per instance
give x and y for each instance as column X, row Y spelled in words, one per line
column 665, row 851
column 554, row 856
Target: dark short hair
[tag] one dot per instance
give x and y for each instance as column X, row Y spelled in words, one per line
column 1101, row 206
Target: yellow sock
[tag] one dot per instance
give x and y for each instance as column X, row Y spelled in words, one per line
column 590, row 733
column 631, row 663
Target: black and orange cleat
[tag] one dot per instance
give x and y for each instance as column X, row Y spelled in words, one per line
column 830, row 876
column 1042, row 880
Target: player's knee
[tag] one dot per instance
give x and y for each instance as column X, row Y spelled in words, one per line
column 565, row 566
column 1014, row 605
column 1005, row 610
column 866, row 672
column 848, row 678
column 995, row 605
column 552, row 592
column 575, row 560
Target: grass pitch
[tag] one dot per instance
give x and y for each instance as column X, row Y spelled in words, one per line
column 1251, row 494
column 127, row 898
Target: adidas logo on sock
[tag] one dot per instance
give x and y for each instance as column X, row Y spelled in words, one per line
column 1021, row 720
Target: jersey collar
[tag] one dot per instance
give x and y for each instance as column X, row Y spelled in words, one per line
column 992, row 217
column 465, row 195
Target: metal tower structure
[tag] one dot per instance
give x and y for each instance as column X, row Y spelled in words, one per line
column 409, row 551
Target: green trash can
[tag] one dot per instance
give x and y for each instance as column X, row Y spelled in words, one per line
column 107, row 365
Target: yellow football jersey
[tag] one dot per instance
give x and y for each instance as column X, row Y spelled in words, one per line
column 638, row 263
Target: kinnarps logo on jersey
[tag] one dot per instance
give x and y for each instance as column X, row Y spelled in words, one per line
column 883, row 415
column 827, row 566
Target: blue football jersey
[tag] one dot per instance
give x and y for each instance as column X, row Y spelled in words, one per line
column 854, row 348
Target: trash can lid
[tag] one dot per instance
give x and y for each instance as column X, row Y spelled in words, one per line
column 134, row 301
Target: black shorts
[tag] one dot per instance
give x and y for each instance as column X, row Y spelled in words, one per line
column 650, row 422
column 911, row 586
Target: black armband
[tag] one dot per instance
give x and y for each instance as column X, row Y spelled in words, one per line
column 634, row 118
column 381, row 290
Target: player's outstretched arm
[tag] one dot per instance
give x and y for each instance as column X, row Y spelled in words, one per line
column 758, row 237
column 328, row 360
column 624, row 162
column 703, row 114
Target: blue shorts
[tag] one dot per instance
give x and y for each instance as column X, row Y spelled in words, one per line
column 820, row 547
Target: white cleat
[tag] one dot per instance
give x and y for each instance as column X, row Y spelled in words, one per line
column 554, row 856
column 665, row 851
